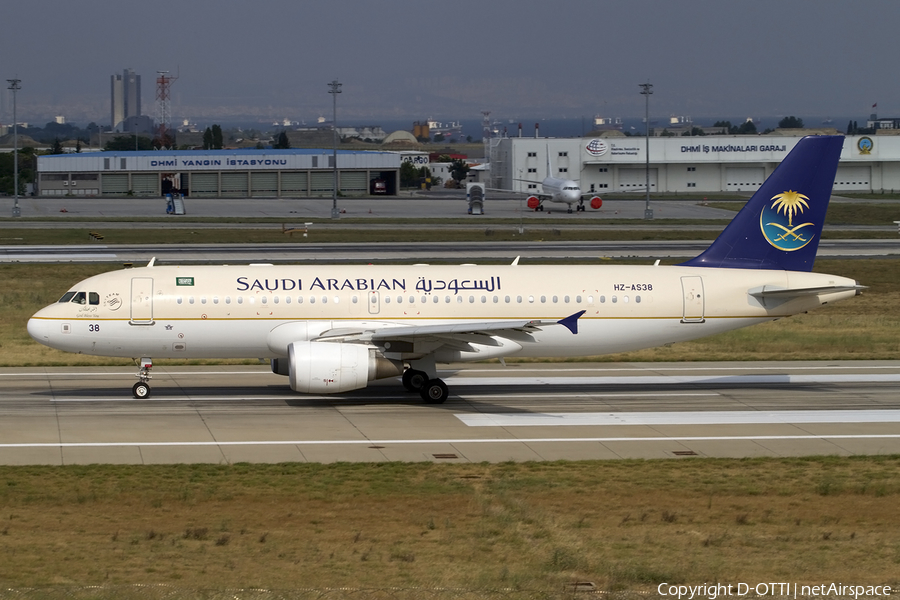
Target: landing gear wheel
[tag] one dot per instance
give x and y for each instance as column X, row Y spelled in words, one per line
column 413, row 380
column 540, row 208
column 141, row 390
column 570, row 211
column 435, row 391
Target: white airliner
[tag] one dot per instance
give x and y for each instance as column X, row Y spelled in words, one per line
column 556, row 189
column 333, row 329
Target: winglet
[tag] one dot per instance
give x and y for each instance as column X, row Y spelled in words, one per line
column 571, row 322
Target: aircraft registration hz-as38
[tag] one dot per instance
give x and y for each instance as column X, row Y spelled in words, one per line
column 333, row 329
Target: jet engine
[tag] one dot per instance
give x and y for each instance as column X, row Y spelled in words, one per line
column 533, row 202
column 596, row 202
column 334, row 367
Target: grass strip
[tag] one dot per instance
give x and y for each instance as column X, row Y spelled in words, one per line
column 523, row 526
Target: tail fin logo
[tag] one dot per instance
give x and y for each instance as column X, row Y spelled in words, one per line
column 777, row 221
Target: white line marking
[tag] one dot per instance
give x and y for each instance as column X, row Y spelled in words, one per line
column 585, row 395
column 713, row 417
column 379, row 399
column 54, row 257
column 700, row 367
column 131, row 372
column 784, row 379
column 453, row 441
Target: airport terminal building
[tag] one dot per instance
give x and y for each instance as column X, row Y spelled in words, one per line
column 292, row 173
column 703, row 164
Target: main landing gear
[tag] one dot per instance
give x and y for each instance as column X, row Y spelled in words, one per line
column 433, row 391
column 141, row 390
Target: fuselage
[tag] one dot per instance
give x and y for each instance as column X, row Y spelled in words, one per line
column 562, row 190
column 256, row 311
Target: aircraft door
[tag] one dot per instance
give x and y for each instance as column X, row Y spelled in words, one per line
column 374, row 303
column 141, row 301
column 694, row 300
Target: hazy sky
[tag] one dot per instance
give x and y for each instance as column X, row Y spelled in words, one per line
column 452, row 59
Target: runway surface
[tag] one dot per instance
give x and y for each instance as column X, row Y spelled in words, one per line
column 522, row 412
column 404, row 252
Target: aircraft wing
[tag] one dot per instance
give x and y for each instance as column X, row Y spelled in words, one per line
column 540, row 195
column 423, row 339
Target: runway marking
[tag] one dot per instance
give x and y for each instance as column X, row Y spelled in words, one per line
column 588, row 394
column 131, row 372
column 783, row 379
column 715, row 438
column 698, row 368
column 379, row 399
column 713, row 417
column 508, row 374
column 55, row 257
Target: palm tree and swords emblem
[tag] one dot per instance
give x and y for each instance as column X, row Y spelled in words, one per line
column 785, row 236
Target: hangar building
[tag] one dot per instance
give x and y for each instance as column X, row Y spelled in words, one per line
column 216, row 173
column 704, row 164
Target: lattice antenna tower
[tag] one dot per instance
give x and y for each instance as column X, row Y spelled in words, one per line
column 163, row 106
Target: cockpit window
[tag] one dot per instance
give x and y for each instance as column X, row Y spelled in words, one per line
column 93, row 298
column 67, row 296
column 80, row 298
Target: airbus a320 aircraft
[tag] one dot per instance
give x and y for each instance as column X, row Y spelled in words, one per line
column 333, row 329
column 555, row 189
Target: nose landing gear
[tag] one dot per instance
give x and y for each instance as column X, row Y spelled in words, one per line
column 141, row 390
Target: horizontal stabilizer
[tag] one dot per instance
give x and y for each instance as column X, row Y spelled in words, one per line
column 769, row 291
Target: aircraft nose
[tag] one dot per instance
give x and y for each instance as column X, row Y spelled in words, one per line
column 37, row 329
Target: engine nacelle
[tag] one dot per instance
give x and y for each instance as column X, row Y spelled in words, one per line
column 596, row 202
column 334, row 367
column 533, row 202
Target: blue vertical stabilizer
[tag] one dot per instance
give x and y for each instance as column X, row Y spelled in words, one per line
column 780, row 226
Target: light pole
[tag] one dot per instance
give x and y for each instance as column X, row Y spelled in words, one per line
column 334, row 91
column 646, row 90
column 15, row 87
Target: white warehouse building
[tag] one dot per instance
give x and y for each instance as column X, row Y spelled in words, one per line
column 216, row 173
column 703, row 164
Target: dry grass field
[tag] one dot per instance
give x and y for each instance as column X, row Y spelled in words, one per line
column 619, row 524
column 623, row 525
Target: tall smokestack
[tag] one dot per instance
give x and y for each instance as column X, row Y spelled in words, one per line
column 537, row 130
column 520, row 130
